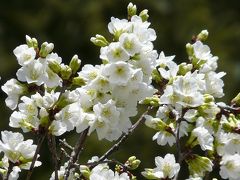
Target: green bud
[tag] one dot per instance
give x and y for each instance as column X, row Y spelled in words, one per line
column 132, row 158
column 153, row 101
column 203, row 35
column 99, row 40
column 208, row 98
column 85, row 171
column 199, row 165
column 46, row 48
column 184, row 68
column 66, row 72
column 3, row 171
column 236, row 100
column 144, row 15
column 31, row 42
column 226, row 127
column 118, row 168
column 156, row 123
column 148, row 173
column 135, row 164
column 156, row 76
column 54, row 66
column 131, row 9
column 75, row 64
column 78, row 81
column 233, row 121
column 28, row 40
column 189, row 49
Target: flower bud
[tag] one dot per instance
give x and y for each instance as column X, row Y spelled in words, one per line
column 184, row 68
column 54, row 66
column 156, row 76
column 155, row 123
column 75, row 64
column 144, row 15
column 28, row 40
column 208, row 98
column 199, row 165
column 152, row 101
column 46, row 48
column 78, row 81
column 131, row 9
column 3, row 171
column 148, row 173
column 99, row 40
column 66, row 72
column 189, row 49
column 31, row 42
column 203, row 35
column 85, row 171
column 236, row 100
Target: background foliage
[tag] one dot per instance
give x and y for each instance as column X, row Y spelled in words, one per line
column 70, row 24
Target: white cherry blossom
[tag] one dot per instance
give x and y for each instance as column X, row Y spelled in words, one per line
column 24, row 54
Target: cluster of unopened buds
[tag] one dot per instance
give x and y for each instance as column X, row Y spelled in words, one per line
column 49, row 98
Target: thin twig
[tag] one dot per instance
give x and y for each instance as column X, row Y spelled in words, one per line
column 112, row 161
column 53, row 150
column 115, row 147
column 234, row 110
column 40, row 141
column 65, row 144
column 75, row 153
column 65, row 153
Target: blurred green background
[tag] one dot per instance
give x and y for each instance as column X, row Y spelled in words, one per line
column 69, row 24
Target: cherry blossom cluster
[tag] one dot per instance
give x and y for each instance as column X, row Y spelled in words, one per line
column 50, row 98
column 187, row 112
column 17, row 153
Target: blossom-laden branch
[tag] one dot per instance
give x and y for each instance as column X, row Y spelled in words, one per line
column 55, row 97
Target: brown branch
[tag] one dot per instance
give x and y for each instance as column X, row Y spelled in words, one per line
column 40, row 141
column 65, row 144
column 53, row 150
column 75, row 153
